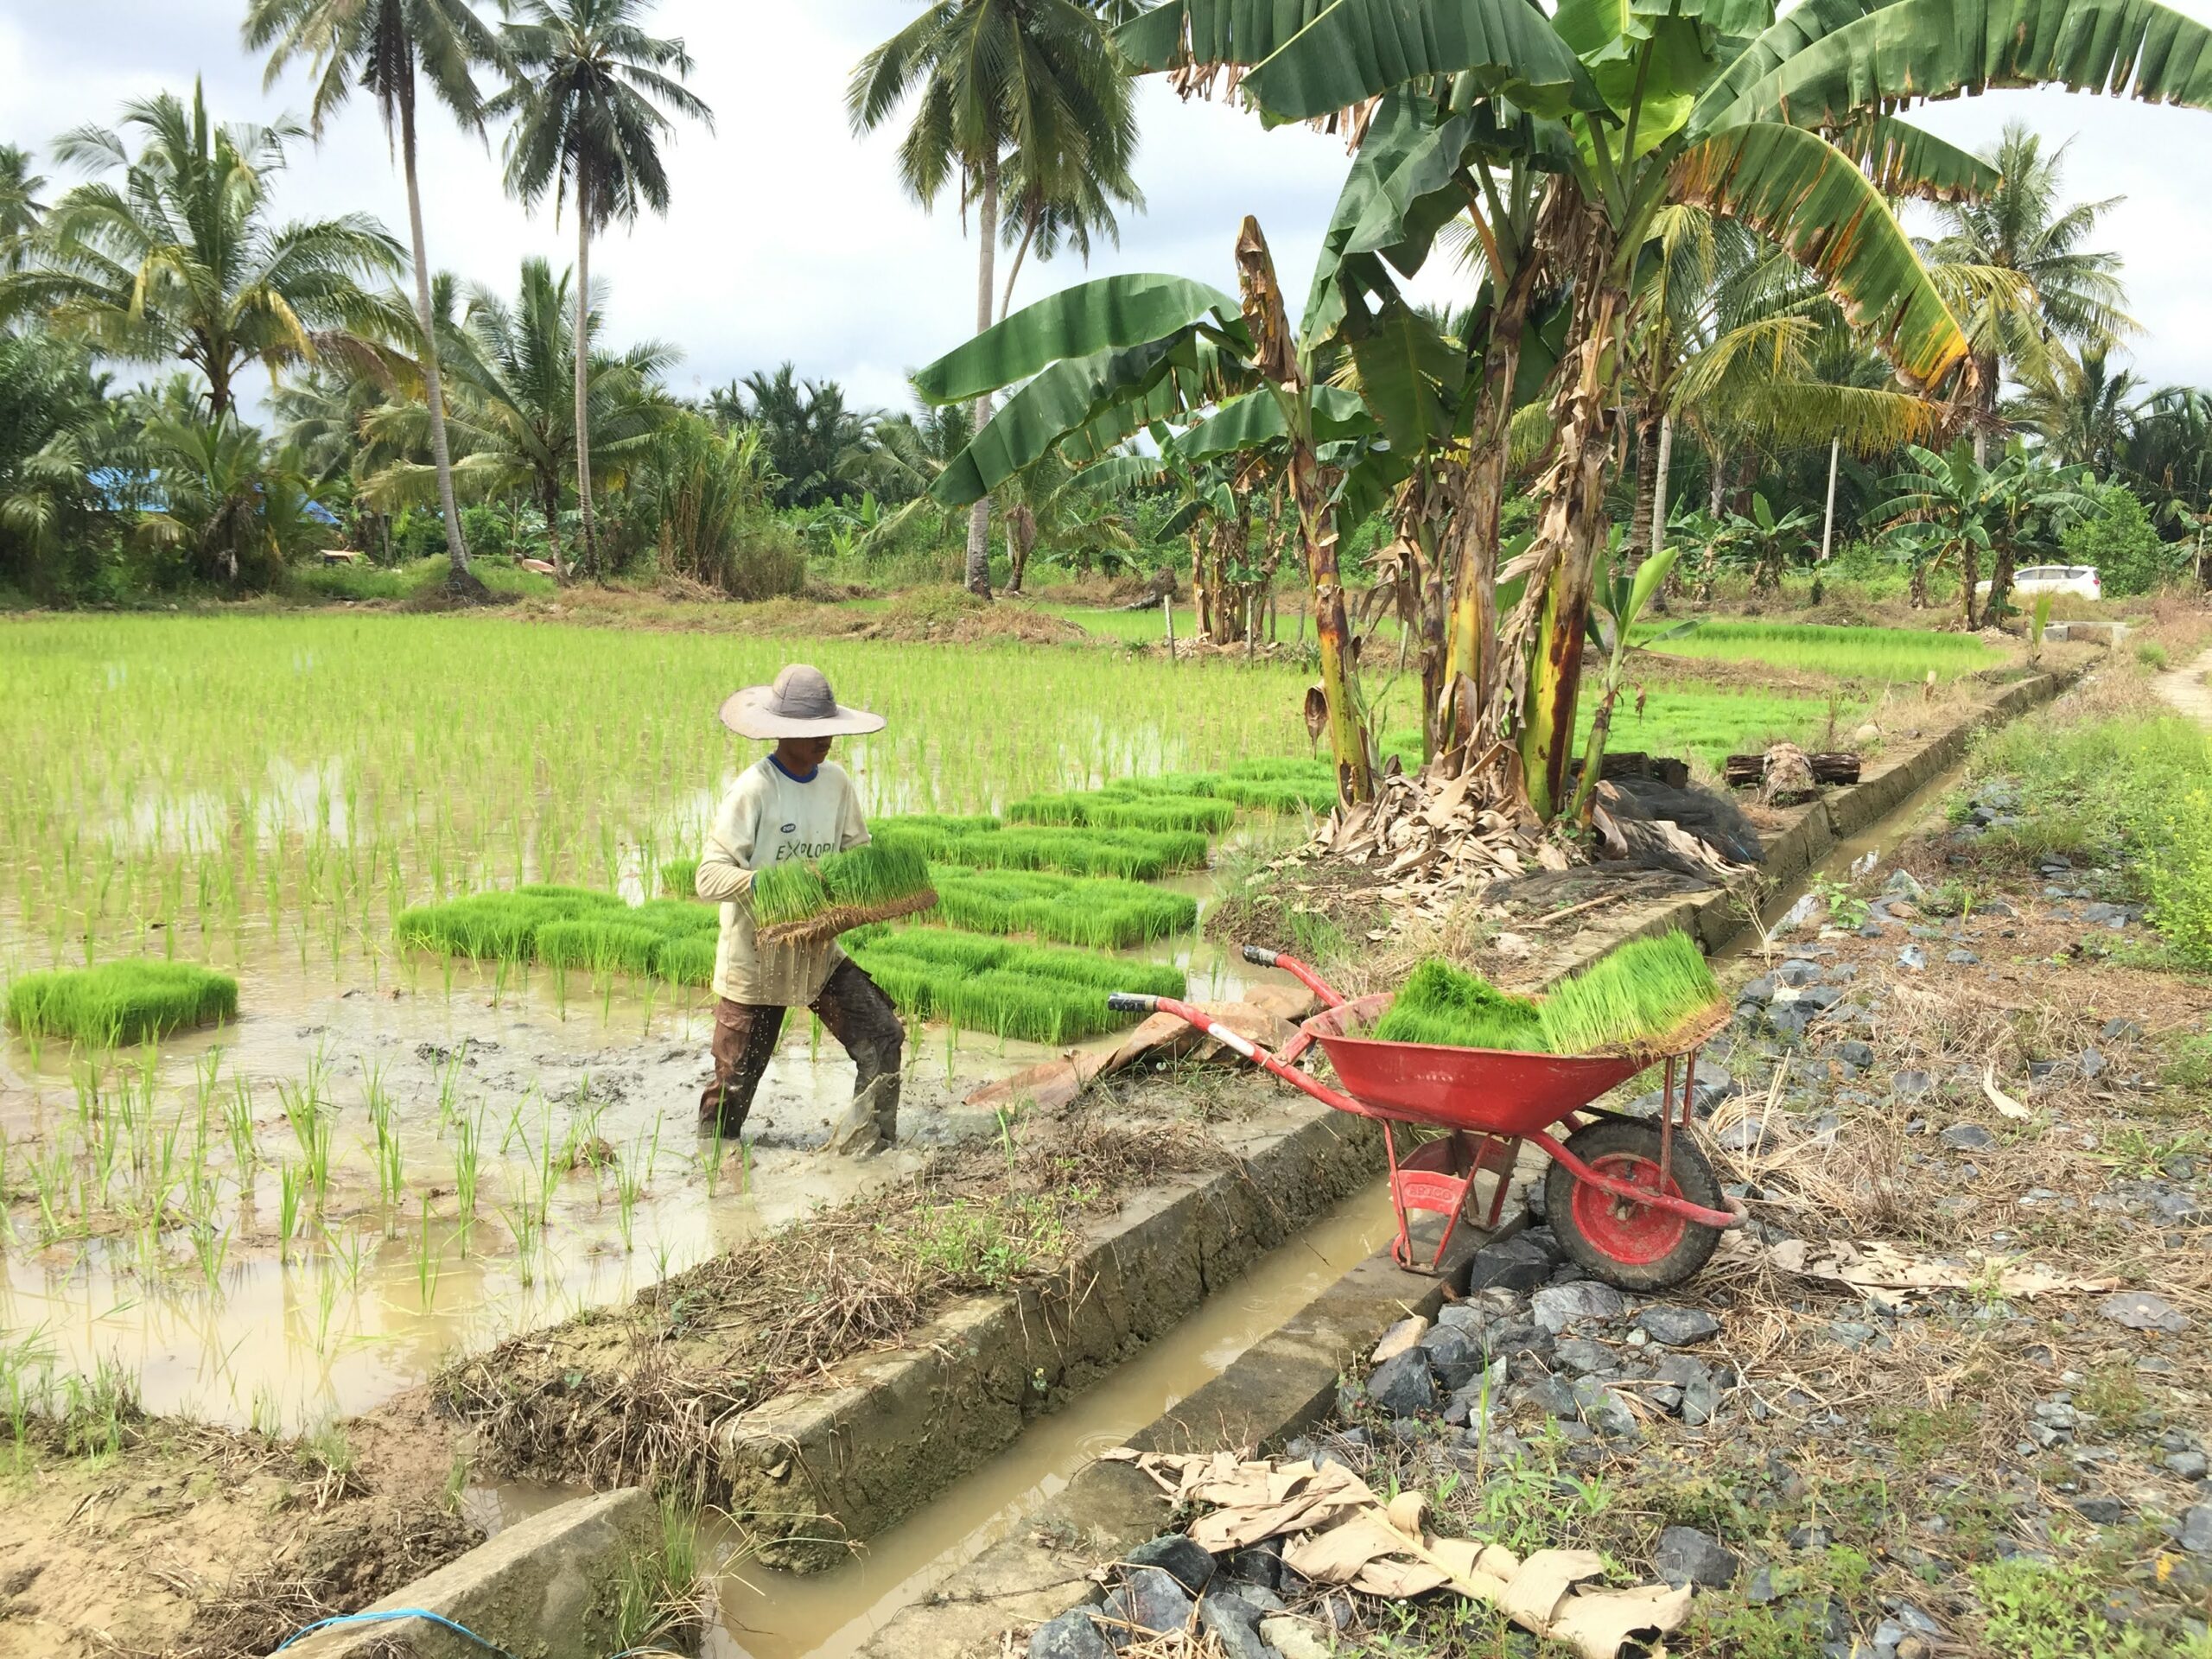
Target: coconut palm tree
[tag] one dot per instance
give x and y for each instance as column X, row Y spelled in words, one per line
column 178, row 257
column 2084, row 408
column 20, row 211
column 1000, row 80
column 591, row 106
column 385, row 46
column 2067, row 290
column 511, row 373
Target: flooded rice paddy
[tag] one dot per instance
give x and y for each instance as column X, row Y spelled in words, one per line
column 388, row 1157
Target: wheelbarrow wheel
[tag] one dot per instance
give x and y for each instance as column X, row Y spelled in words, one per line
column 1632, row 1246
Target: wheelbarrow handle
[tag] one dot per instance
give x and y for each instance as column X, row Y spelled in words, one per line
column 1237, row 1043
column 1263, row 957
column 1130, row 1002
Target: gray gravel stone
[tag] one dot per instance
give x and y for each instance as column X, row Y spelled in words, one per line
column 1557, row 1306
column 1584, row 1356
column 2092, row 1063
column 2104, row 1512
column 1798, row 971
column 1455, row 1357
column 2139, row 1310
column 1677, row 1327
column 1149, row 1599
column 1072, row 1636
column 1191, row 1565
column 1514, row 1263
column 2195, row 1534
column 1912, row 956
column 2189, row 1465
column 1967, row 1137
column 1403, row 1386
column 1233, row 1623
column 1854, row 1052
column 1686, row 1555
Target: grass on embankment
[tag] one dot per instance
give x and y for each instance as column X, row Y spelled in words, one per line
column 2130, row 791
column 120, row 1002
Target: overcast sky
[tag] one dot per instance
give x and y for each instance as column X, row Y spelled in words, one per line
column 789, row 238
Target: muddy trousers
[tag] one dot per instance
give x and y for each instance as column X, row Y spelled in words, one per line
column 858, row 1015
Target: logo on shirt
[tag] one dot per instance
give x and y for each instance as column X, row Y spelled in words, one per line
column 791, row 828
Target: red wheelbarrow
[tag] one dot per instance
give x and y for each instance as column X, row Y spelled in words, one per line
column 1633, row 1202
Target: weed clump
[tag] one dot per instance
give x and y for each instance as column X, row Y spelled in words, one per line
column 120, row 1002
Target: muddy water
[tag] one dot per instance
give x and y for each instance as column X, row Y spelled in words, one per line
column 214, row 1314
column 766, row 1615
column 1882, row 841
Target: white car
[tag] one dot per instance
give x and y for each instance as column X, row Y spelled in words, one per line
column 2080, row 580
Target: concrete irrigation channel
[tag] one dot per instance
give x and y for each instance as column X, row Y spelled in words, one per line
column 950, row 1488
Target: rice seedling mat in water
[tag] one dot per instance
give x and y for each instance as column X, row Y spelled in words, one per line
column 1031, row 993
column 117, row 1002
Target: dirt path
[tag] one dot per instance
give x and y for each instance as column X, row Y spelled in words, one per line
column 2185, row 688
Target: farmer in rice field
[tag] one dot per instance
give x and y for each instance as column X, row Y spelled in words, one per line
column 793, row 804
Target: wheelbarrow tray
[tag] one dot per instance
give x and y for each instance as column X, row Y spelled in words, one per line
column 1487, row 1091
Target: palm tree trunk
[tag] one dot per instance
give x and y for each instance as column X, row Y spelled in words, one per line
column 1984, row 397
column 1827, row 518
column 1647, row 486
column 979, row 516
column 1659, row 484
column 583, row 382
column 433, row 391
column 1028, row 235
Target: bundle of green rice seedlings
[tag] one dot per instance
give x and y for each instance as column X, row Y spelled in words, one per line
column 1107, row 809
column 120, row 1002
column 787, row 892
column 1632, row 999
column 1103, row 912
column 490, row 927
column 1087, row 969
column 599, row 943
column 880, row 882
column 676, row 919
column 679, row 877
column 688, row 961
column 1442, row 1005
column 939, row 948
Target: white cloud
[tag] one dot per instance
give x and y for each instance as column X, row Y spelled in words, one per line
column 791, row 239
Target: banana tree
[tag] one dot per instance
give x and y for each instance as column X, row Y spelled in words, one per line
column 1622, row 599
column 1101, row 362
column 1786, row 125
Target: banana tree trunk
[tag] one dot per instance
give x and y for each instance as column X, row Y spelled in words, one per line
column 1471, row 630
column 1571, row 534
column 986, row 225
column 1275, row 356
column 433, row 390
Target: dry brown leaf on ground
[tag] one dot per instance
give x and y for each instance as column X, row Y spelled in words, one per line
column 1885, row 1273
column 1337, row 1532
column 2003, row 1102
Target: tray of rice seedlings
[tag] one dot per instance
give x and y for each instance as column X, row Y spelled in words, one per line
column 1131, row 854
column 1034, row 993
column 679, row 877
column 120, row 1002
column 1111, row 810
column 1656, row 996
column 495, row 926
column 877, row 883
column 1441, row 1004
column 1101, row 911
column 687, row 961
column 598, row 944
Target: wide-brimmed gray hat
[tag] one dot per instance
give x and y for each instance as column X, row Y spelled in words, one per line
column 799, row 704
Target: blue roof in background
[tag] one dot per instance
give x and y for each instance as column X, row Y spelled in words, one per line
column 120, row 490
